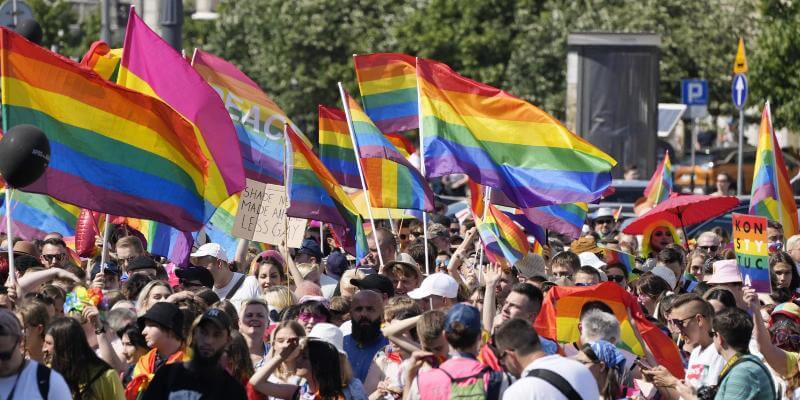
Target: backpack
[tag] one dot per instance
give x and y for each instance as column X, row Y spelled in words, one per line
column 475, row 390
column 42, row 380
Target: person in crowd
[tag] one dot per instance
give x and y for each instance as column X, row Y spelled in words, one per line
column 649, row 289
column 404, row 274
column 616, row 272
column 269, row 270
column 34, row 318
column 657, row 238
column 377, row 283
column 152, row 293
column 278, row 298
column 128, row 248
column 563, row 265
column 695, row 263
column 313, row 312
column 142, row 265
column 606, row 363
column 726, row 275
column 793, row 248
column 67, row 351
column 203, row 375
column 194, row 279
column 134, row 346
column 54, row 253
column 236, row 362
column 228, row 285
column 366, row 338
column 723, row 185
column 603, row 222
column 539, row 375
column 105, row 277
column 774, row 236
column 291, row 371
column 784, row 277
column 439, row 235
column 709, row 243
column 586, row 276
column 253, row 321
column 437, row 291
column 744, row 375
column 720, row 299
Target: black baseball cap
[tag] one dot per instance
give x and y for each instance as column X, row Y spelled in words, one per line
column 110, row 268
column 218, row 318
column 141, row 262
column 197, row 275
column 376, row 282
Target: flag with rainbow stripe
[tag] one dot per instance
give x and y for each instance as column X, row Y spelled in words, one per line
column 336, row 146
column 771, row 194
column 113, row 150
column 388, row 85
column 566, row 219
column 504, row 142
column 392, row 181
column 503, row 240
column 660, row 186
column 164, row 240
column 628, row 261
column 104, row 60
column 35, row 215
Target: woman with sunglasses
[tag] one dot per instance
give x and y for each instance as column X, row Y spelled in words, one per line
column 606, row 363
column 311, row 313
column 657, row 237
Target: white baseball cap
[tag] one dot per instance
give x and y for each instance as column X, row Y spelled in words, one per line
column 665, row 274
column 210, row 249
column 438, row 284
column 591, row 259
column 328, row 333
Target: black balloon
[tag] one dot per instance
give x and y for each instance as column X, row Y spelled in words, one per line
column 24, row 155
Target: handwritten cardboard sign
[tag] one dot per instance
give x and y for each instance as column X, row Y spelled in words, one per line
column 752, row 256
column 262, row 216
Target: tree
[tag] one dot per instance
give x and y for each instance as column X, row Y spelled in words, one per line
column 775, row 62
column 56, row 19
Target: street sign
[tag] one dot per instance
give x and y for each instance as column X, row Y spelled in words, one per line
column 739, row 91
column 694, row 92
column 13, row 12
column 740, row 63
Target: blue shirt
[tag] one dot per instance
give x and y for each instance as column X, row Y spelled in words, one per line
column 361, row 356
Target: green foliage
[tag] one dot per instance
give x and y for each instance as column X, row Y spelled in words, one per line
column 775, row 63
column 56, row 18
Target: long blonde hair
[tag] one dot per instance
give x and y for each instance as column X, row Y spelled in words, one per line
column 282, row 372
column 143, row 301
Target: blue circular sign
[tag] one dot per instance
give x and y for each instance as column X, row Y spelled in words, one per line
column 739, row 91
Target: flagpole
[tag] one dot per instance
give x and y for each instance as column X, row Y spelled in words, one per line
column 422, row 166
column 360, row 171
column 487, row 194
column 9, row 241
column 286, row 185
column 105, row 250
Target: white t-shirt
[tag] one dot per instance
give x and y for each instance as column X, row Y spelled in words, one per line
column 248, row 290
column 704, row 367
column 28, row 389
column 578, row 376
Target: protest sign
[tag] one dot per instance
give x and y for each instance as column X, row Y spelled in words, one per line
column 750, row 245
column 262, row 216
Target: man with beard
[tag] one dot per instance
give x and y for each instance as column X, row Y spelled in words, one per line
column 366, row 314
column 202, row 377
column 603, row 223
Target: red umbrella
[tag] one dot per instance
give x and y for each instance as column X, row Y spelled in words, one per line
column 681, row 211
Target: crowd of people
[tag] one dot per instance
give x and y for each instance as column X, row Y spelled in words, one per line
column 312, row 323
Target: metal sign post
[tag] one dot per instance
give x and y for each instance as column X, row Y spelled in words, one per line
column 739, row 96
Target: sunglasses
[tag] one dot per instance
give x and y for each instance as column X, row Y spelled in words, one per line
column 604, row 221
column 126, row 260
column 52, row 257
column 709, row 248
column 681, row 323
column 305, row 317
column 659, row 233
column 616, row 278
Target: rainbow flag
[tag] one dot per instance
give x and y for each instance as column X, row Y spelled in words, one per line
column 388, row 85
column 530, row 228
column 660, row 186
column 771, row 195
column 315, row 194
column 618, row 257
column 164, row 240
column 103, row 59
column 392, row 181
column 150, row 66
column 477, row 197
column 558, row 320
column 502, row 238
column 566, row 219
column 258, row 120
column 504, row 142
column 218, row 229
column 401, row 143
column 33, row 215
column 113, row 150
column 336, row 146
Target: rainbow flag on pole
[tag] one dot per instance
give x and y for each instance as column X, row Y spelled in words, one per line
column 502, row 238
column 336, row 146
column 151, row 66
column 258, row 120
column 566, row 219
column 392, row 181
column 315, row 194
column 113, row 150
column 388, row 85
column 164, row 240
column 103, row 59
column 619, row 257
column 771, row 194
column 660, row 186
column 35, row 215
column 504, row 142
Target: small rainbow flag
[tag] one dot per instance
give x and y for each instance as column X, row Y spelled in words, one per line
column 618, row 257
column 392, row 181
column 566, row 219
column 218, row 229
column 502, row 238
column 530, row 228
column 103, row 59
column 771, row 194
column 388, row 85
column 660, row 186
column 504, row 142
column 401, row 143
column 477, row 197
column 35, row 215
column 164, row 240
column 336, row 146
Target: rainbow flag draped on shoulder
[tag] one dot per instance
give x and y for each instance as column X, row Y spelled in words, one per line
column 113, row 150
column 502, row 238
column 258, row 120
column 315, row 194
column 660, row 186
column 150, row 66
column 336, row 146
column 504, row 142
column 771, row 194
column 392, row 181
column 388, row 85
column 35, row 215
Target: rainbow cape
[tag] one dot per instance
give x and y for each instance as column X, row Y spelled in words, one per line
column 504, row 142
column 257, row 119
column 315, row 194
column 559, row 317
column 502, row 238
column 150, row 66
column 113, row 150
column 388, row 85
column 336, row 146
column 392, row 181
column 33, row 215
column 660, row 186
column 771, row 194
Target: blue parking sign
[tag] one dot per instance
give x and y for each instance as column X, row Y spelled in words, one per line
column 694, row 92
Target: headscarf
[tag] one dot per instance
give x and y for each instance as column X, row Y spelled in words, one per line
column 609, row 355
column 649, row 231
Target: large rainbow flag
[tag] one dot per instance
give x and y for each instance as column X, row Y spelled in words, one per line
column 315, row 194
column 502, row 238
column 150, row 66
column 336, row 146
column 35, row 215
column 113, row 150
column 660, row 186
column 771, row 194
column 258, row 120
column 559, row 317
column 504, row 142
column 388, row 85
column 392, row 181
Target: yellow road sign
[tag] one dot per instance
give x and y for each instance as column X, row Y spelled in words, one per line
column 740, row 64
